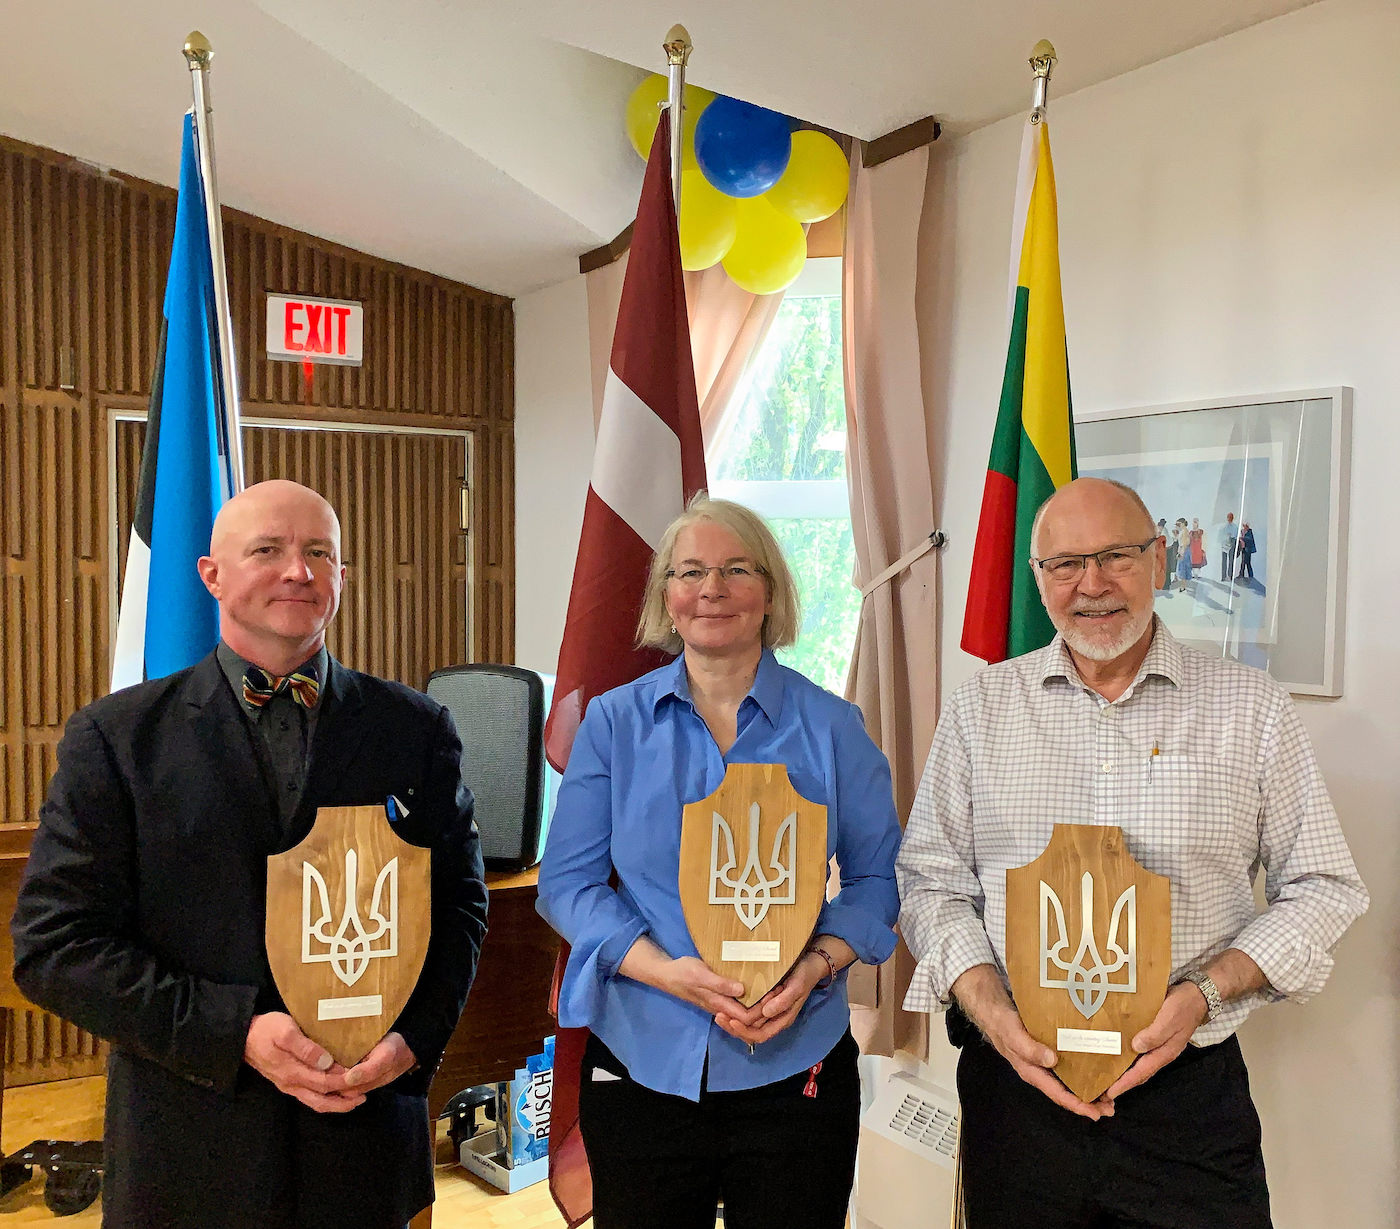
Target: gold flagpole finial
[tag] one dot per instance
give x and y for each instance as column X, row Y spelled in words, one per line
column 198, row 50
column 677, row 48
column 1043, row 61
column 677, row 45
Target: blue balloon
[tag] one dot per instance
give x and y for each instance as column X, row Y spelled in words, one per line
column 742, row 149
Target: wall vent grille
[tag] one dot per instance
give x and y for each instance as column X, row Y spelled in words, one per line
column 918, row 1116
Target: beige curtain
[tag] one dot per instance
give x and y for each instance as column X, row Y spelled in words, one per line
column 727, row 327
column 889, row 462
column 604, row 289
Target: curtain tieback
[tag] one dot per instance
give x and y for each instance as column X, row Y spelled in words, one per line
column 932, row 542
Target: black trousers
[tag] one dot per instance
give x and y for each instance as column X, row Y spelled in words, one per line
column 775, row 1156
column 1181, row 1151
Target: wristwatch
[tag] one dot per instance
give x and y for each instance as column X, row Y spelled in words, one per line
column 1201, row 980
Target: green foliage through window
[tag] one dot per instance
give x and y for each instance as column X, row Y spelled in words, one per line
column 820, row 553
column 796, row 400
column 790, row 429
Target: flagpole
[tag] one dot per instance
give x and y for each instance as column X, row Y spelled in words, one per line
column 199, row 54
column 677, row 47
column 1043, row 61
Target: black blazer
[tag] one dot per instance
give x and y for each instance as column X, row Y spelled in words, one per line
column 141, row 919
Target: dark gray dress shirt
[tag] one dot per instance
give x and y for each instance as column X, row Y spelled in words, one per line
column 282, row 728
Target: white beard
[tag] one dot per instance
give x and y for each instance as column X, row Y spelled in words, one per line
column 1096, row 649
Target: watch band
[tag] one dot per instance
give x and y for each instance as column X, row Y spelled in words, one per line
column 1202, row 981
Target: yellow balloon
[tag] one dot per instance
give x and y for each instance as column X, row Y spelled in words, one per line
column 644, row 113
column 769, row 248
column 708, row 222
column 814, row 185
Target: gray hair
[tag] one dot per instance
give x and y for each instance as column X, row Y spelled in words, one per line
column 783, row 621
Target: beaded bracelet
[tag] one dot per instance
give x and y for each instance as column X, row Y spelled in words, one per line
column 830, row 966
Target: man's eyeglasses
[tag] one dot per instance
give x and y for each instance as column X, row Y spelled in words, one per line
column 1113, row 561
column 693, row 577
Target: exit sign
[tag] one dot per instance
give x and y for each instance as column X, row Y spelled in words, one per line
column 315, row 330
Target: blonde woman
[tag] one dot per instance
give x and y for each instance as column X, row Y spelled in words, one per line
column 687, row 1097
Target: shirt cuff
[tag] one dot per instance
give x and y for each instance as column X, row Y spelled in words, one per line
column 589, row 970
column 872, row 940
column 613, row 950
column 931, row 988
column 1294, row 968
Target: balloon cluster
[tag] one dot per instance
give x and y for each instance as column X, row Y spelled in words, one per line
column 748, row 183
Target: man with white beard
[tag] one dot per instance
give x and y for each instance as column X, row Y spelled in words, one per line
column 1205, row 766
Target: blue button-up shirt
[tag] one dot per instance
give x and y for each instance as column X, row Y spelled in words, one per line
column 643, row 753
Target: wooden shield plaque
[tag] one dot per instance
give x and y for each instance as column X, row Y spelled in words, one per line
column 347, row 928
column 1088, row 952
column 753, row 875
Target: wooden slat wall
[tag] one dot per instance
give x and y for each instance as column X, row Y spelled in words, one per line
column 82, row 274
column 403, row 612
column 43, row 1047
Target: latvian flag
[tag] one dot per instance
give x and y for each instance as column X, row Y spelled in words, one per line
column 1033, row 446
column 167, row 619
column 648, row 461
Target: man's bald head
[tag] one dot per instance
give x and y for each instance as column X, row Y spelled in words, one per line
column 1089, row 501
column 275, row 496
column 1100, row 602
column 274, row 568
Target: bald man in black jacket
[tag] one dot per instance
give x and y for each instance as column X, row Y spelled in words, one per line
column 141, row 917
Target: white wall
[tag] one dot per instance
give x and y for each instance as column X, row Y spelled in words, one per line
column 1230, row 223
column 553, row 453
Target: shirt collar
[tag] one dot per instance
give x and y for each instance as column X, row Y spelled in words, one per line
column 1163, row 659
column 766, row 692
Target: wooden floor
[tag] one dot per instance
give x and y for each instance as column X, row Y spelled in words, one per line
column 72, row 1109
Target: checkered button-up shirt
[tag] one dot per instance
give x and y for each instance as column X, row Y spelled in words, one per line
column 1233, row 786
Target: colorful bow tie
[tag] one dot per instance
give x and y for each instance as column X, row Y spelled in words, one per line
column 259, row 686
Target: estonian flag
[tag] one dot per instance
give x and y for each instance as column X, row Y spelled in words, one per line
column 167, row 618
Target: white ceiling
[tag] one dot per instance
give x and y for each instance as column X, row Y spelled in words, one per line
column 482, row 139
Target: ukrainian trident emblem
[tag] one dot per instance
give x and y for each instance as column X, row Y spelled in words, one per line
column 753, row 871
column 756, row 888
column 1088, row 976
column 352, row 945
column 347, row 928
column 1082, row 981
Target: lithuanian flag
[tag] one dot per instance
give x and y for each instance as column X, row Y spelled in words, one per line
column 1033, row 447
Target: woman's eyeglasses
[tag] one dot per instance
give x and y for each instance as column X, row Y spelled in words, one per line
column 693, row 576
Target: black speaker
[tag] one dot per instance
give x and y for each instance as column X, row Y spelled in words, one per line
column 499, row 711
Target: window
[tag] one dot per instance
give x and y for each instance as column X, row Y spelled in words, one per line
column 784, row 455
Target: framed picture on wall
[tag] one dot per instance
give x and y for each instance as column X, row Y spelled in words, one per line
column 1251, row 496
